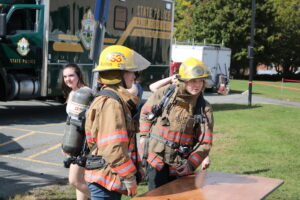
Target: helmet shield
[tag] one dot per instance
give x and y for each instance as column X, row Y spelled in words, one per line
column 192, row 69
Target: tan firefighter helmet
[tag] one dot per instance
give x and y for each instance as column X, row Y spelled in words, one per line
column 192, row 69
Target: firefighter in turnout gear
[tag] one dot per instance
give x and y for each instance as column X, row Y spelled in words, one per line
column 176, row 126
column 110, row 128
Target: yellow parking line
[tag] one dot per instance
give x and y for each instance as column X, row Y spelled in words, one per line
column 21, row 129
column 32, row 160
column 45, row 151
column 18, row 138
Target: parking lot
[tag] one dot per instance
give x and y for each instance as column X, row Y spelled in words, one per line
column 30, row 145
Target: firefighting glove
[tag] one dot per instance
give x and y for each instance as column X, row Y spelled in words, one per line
column 184, row 170
column 131, row 186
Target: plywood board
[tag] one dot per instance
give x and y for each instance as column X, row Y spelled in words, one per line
column 214, row 186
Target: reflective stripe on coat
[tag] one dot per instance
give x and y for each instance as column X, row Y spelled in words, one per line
column 114, row 135
column 176, row 125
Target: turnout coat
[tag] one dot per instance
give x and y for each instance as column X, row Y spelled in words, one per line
column 176, row 125
column 109, row 125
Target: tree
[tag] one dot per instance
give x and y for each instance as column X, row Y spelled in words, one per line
column 287, row 38
column 228, row 22
column 183, row 20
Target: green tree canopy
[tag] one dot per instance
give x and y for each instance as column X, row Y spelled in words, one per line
column 286, row 41
column 228, row 22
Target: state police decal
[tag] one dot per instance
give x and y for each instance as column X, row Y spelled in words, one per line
column 23, row 47
column 88, row 24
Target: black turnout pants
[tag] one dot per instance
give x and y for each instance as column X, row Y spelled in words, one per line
column 157, row 178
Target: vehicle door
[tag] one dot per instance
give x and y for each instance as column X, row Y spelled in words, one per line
column 24, row 38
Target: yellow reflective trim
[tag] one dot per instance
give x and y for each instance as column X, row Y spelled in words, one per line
column 144, row 23
column 67, row 47
column 110, row 40
column 67, row 37
column 127, row 31
column 153, row 24
column 151, row 34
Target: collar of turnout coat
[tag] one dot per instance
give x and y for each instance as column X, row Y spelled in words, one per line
column 184, row 95
column 124, row 94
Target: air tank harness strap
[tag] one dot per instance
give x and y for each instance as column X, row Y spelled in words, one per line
column 94, row 161
column 173, row 145
column 200, row 118
column 76, row 122
column 157, row 111
column 183, row 150
column 146, row 150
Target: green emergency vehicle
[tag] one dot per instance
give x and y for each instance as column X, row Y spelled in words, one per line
column 39, row 37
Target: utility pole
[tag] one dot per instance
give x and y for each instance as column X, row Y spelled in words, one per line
column 250, row 53
column 100, row 14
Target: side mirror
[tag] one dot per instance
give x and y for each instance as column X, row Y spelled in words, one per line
column 2, row 24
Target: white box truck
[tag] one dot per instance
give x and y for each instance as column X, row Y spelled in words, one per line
column 215, row 56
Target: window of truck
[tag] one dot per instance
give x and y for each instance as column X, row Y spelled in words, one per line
column 22, row 21
column 120, row 18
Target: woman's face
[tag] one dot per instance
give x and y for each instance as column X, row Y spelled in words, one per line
column 194, row 86
column 129, row 78
column 70, row 78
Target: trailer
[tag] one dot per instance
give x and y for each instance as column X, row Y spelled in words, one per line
column 216, row 57
column 39, row 37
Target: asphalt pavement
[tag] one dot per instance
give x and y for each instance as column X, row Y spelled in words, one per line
column 238, row 98
column 30, row 143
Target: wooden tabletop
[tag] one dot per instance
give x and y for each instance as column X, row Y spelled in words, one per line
column 212, row 185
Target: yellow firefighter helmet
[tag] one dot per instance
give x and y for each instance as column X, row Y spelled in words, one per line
column 192, row 69
column 115, row 59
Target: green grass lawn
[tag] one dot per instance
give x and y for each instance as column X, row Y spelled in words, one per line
column 261, row 141
column 286, row 94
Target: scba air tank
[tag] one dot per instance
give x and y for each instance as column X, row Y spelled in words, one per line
column 74, row 135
